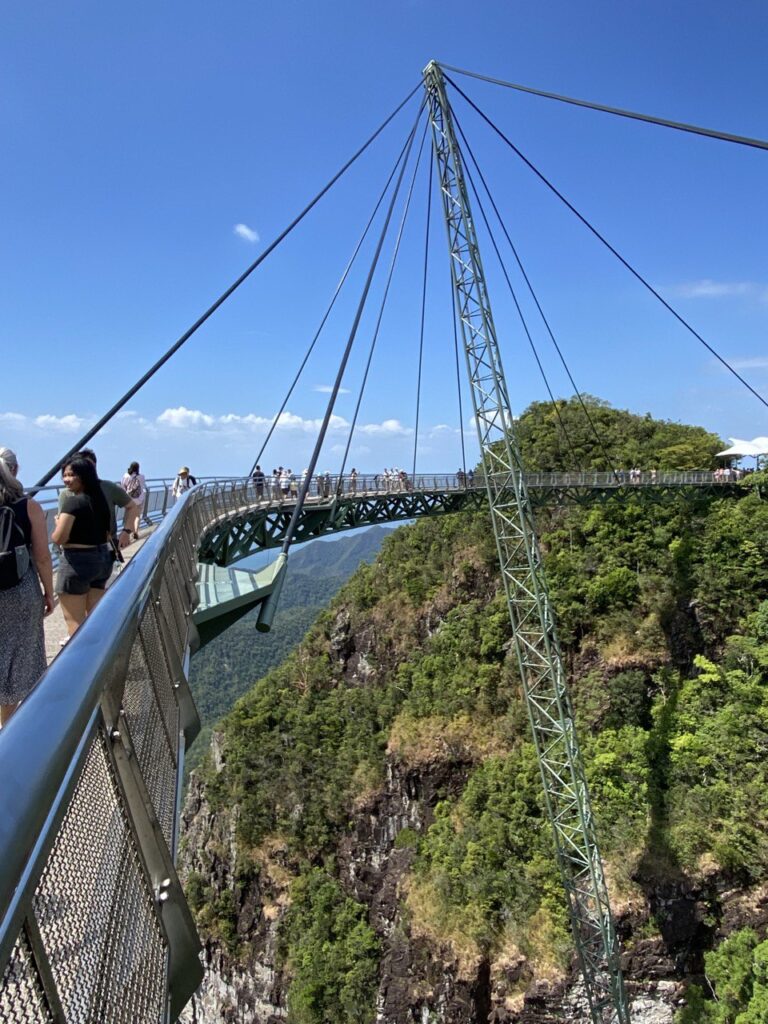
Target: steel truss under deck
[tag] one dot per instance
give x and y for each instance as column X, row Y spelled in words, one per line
column 540, row 661
column 238, row 534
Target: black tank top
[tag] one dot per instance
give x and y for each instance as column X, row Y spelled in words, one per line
column 21, row 513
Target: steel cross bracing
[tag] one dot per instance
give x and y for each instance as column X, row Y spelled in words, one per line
column 239, row 534
column 540, row 661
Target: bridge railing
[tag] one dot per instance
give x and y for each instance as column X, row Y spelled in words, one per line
column 633, row 478
column 159, row 494
column 93, row 922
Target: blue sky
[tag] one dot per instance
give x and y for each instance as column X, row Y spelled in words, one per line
column 137, row 138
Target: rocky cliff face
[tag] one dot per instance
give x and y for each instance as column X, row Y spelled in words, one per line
column 433, row 720
column 421, row 981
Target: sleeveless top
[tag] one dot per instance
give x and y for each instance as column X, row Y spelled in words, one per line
column 21, row 514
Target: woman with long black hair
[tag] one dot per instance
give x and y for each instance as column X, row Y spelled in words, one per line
column 82, row 533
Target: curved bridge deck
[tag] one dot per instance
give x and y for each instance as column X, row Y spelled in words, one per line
column 258, row 520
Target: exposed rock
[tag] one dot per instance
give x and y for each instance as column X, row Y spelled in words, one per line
column 419, row 982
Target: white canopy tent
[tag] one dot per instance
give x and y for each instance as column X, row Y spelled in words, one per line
column 757, row 446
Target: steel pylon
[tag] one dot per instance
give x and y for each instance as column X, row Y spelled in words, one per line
column 538, row 652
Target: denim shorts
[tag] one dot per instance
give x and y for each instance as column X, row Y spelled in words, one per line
column 84, row 569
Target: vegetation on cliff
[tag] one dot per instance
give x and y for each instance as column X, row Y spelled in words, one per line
column 737, row 977
column 226, row 667
column 666, row 638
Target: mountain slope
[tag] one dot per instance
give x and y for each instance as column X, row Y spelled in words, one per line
column 225, row 668
column 370, row 839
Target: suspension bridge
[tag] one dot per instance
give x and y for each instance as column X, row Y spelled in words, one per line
column 94, row 926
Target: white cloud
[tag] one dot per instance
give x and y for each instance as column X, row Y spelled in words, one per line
column 246, row 233
column 326, row 389
column 188, row 419
column 64, row 424
column 183, row 418
column 13, row 419
column 750, row 363
column 389, row 428
column 708, row 289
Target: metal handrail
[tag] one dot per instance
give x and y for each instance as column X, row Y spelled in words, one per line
column 132, row 650
column 159, row 489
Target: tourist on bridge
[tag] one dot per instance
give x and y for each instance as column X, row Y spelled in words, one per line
column 293, row 486
column 25, row 565
column 471, row 477
column 114, row 495
column 285, row 482
column 258, row 482
column 275, row 485
column 82, row 533
column 183, row 482
column 353, row 481
column 135, row 486
column 461, row 478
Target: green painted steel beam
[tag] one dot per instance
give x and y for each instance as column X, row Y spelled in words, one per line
column 244, row 532
column 542, row 670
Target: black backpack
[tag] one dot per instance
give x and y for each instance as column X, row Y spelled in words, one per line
column 14, row 553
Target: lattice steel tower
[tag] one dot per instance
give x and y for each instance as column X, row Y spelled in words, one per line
column 538, row 652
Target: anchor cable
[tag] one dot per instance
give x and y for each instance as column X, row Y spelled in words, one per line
column 577, row 392
column 329, row 309
column 635, row 273
column 291, row 531
column 375, row 337
column 423, row 313
column 222, row 298
column 740, row 140
column 458, row 379
column 523, row 321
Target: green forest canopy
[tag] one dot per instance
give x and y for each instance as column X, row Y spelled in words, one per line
column 665, row 631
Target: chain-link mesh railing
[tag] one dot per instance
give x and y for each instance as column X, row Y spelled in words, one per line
column 94, row 927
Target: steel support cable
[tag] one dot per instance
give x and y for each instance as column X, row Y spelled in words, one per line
column 423, row 312
column 635, row 273
column 520, row 313
column 328, row 311
column 740, row 140
column 291, row 531
column 454, row 314
column 380, row 317
column 593, row 428
column 222, row 298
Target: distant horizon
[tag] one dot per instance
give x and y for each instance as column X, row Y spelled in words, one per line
column 109, row 468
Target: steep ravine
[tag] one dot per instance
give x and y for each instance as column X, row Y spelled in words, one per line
column 419, row 980
column 374, row 801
